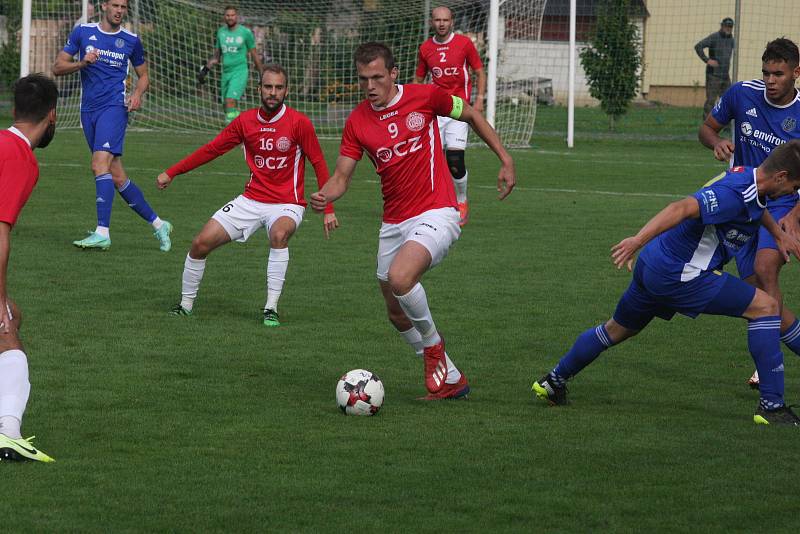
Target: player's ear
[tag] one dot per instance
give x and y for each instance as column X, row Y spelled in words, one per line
column 394, row 73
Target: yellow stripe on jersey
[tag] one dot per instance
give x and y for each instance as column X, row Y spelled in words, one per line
column 458, row 108
column 714, row 180
column 718, row 273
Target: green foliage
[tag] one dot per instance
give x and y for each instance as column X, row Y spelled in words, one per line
column 9, row 52
column 612, row 59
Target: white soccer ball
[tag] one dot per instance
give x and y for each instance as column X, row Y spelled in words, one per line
column 359, row 392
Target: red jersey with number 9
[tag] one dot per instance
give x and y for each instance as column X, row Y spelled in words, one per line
column 402, row 140
column 447, row 62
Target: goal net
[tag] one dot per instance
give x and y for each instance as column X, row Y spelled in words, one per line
column 313, row 40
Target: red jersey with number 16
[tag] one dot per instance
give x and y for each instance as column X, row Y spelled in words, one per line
column 402, row 140
column 275, row 150
column 19, row 173
column 447, row 62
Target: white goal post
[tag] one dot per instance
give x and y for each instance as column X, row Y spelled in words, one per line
column 313, row 39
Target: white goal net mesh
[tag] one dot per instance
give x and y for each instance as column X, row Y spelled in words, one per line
column 313, row 40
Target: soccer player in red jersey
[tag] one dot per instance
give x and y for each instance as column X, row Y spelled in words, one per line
column 449, row 57
column 396, row 127
column 276, row 140
column 35, row 99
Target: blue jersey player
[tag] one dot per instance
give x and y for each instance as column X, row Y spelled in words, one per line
column 104, row 50
column 679, row 270
column 765, row 114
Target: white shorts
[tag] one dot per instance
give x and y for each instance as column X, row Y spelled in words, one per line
column 436, row 230
column 242, row 216
column 453, row 133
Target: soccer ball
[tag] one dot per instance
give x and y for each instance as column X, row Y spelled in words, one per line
column 359, row 392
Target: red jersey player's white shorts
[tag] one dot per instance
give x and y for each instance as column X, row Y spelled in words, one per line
column 454, row 133
column 436, row 230
column 242, row 216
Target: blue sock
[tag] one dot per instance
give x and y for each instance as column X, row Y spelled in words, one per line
column 791, row 338
column 763, row 340
column 135, row 199
column 104, row 188
column 586, row 349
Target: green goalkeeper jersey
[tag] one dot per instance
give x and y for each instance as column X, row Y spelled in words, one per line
column 234, row 45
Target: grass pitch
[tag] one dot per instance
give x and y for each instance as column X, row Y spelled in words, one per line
column 216, row 423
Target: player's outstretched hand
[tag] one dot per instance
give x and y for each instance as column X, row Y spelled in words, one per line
column 163, row 180
column 318, row 201
column 506, row 180
column 134, row 102
column 723, row 150
column 623, row 252
column 329, row 224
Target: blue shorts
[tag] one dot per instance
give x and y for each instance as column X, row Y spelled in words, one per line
column 104, row 129
column 652, row 294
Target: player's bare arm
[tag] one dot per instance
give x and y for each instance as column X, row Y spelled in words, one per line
column 623, row 252
column 5, row 247
column 256, row 60
column 336, row 186
column 481, row 74
column 142, row 84
column 214, row 59
column 507, row 178
column 66, row 65
column 710, row 138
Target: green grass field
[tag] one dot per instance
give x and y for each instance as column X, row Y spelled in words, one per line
column 217, row 423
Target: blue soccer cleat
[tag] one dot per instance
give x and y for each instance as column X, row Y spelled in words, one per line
column 162, row 234
column 93, row 240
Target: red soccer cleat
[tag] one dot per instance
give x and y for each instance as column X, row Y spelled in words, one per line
column 435, row 367
column 459, row 390
column 463, row 211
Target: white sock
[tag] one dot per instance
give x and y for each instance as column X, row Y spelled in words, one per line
column 276, row 276
column 192, row 276
column 413, row 338
column 415, row 305
column 14, row 391
column 461, row 188
column 453, row 374
column 157, row 223
column 102, row 230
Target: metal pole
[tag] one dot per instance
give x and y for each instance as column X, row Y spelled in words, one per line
column 427, row 25
column 25, row 46
column 571, row 90
column 737, row 35
column 491, row 83
column 84, row 11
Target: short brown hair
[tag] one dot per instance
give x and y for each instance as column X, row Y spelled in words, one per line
column 275, row 68
column 785, row 157
column 369, row 52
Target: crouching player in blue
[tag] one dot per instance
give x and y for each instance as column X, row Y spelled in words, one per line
column 679, row 270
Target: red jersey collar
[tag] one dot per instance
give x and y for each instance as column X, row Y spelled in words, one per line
column 19, row 134
column 275, row 118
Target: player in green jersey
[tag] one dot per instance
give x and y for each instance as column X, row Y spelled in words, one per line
column 233, row 44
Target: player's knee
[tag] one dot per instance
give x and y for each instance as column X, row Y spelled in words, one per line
column 200, row 248
column 763, row 305
column 279, row 238
column 401, row 281
column 100, row 167
column 767, row 273
column 455, row 161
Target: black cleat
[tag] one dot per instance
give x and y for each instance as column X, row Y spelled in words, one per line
column 547, row 391
column 782, row 416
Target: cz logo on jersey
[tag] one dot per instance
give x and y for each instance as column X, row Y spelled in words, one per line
column 272, row 162
column 408, row 146
column 447, row 71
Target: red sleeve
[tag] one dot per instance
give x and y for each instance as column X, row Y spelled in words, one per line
column 422, row 67
column 441, row 102
column 350, row 147
column 17, row 179
column 309, row 143
column 473, row 58
column 228, row 138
